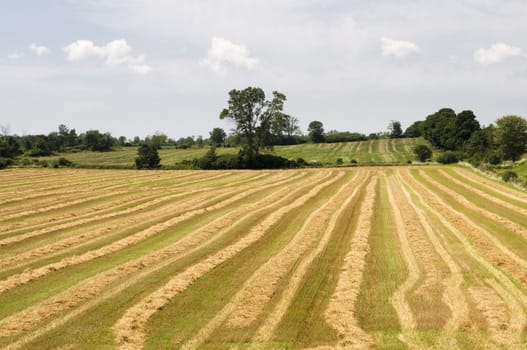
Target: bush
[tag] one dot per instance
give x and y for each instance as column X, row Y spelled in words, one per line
column 147, row 157
column 64, row 162
column 509, row 176
column 301, row 162
column 4, row 162
column 409, row 161
column 353, row 161
column 422, row 153
column 493, row 158
column 340, row 161
column 448, row 158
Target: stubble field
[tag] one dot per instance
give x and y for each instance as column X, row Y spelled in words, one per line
column 395, row 257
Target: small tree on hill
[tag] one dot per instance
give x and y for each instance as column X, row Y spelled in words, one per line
column 395, row 129
column 511, row 136
column 147, row 157
column 315, row 130
column 422, row 153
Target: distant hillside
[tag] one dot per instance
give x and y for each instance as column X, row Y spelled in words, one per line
column 381, row 151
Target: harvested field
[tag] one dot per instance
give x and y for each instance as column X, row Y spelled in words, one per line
column 346, row 258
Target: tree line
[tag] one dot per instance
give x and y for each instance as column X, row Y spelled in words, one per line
column 461, row 137
column 261, row 123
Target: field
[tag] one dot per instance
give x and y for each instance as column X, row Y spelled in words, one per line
column 388, row 257
column 382, row 151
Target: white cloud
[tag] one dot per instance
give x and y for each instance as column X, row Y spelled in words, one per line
column 496, row 53
column 224, row 53
column 15, row 55
column 140, row 68
column 116, row 52
column 398, row 48
column 39, row 50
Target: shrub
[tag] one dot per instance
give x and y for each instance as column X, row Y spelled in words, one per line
column 509, row 176
column 340, row 161
column 301, row 162
column 354, row 161
column 422, row 153
column 448, row 158
column 147, row 157
column 493, row 158
column 4, row 162
column 64, row 162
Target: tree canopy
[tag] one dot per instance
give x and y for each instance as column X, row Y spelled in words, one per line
column 315, row 130
column 511, row 136
column 253, row 116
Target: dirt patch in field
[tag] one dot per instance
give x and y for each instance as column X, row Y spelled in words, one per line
column 130, row 329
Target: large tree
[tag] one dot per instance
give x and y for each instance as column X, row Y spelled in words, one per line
column 253, row 116
column 511, row 136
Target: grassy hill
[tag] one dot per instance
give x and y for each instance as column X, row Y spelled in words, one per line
column 383, row 151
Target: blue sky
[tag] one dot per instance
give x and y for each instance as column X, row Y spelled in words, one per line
column 134, row 67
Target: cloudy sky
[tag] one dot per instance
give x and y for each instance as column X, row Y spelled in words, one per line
column 132, row 67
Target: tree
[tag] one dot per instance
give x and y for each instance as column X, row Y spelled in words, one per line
column 511, row 136
column 395, row 129
column 97, row 142
column 291, row 126
column 315, row 131
column 147, row 157
column 9, row 147
column 253, row 116
column 435, row 125
column 157, row 140
column 422, row 153
column 217, row 136
column 414, row 130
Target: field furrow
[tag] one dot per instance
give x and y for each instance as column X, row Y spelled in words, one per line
column 129, row 329
column 396, row 257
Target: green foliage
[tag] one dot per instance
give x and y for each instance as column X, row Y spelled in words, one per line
column 9, row 147
column 446, row 130
column 509, row 176
column 422, row 153
column 5, row 162
column 147, row 158
column 253, row 116
column 64, row 162
column 217, row 137
column 511, row 136
column 41, row 147
column 414, row 130
column 343, row 136
column 97, row 142
column 316, row 131
column 448, row 157
column 395, row 130
column 340, row 161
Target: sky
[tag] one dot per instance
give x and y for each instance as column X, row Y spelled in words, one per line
column 135, row 67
